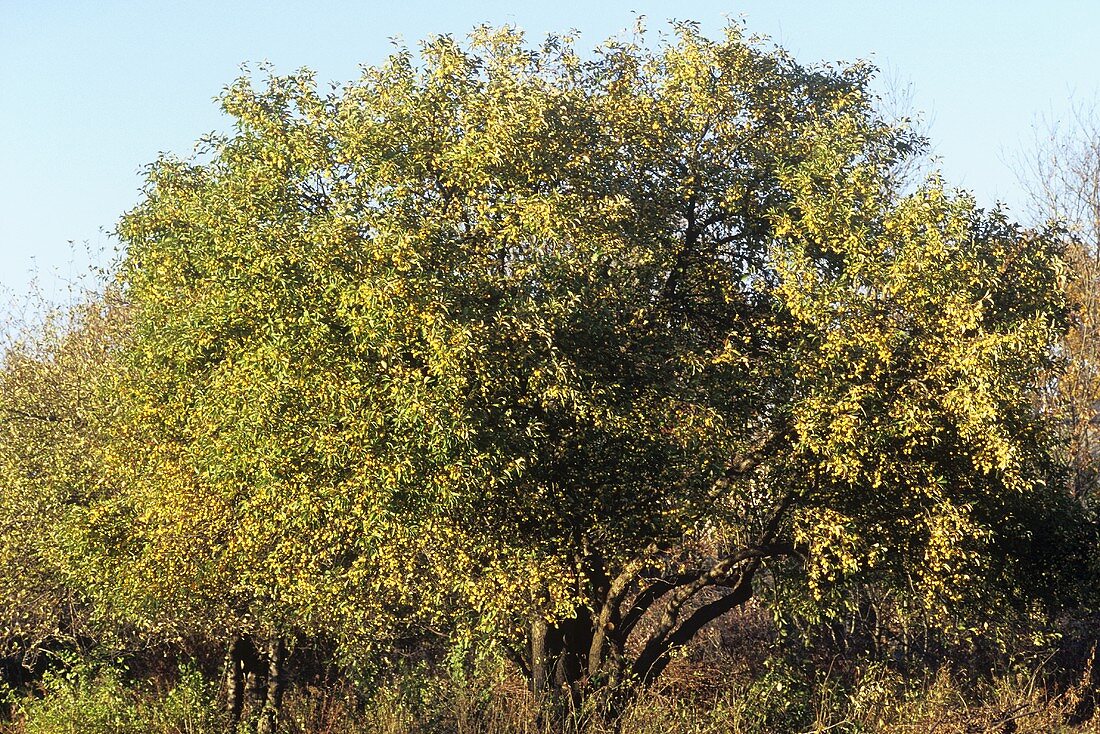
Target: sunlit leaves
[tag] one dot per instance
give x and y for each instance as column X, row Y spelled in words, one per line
column 490, row 325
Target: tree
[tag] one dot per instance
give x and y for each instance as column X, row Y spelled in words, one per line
column 1062, row 179
column 55, row 417
column 570, row 349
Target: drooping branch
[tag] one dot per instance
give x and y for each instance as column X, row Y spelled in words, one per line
column 737, row 469
column 653, row 660
column 649, row 596
column 518, row 660
column 614, row 626
column 669, row 633
column 740, row 592
column 712, row 576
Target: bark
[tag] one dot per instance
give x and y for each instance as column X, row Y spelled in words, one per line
column 234, row 682
column 607, row 637
column 273, row 689
column 261, row 675
column 559, row 663
column 655, row 658
column 649, row 596
column 572, row 657
column 540, row 657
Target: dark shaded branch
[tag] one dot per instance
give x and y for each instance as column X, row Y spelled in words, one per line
column 716, row 574
column 649, row 596
column 653, row 661
column 712, row 576
column 28, row 415
column 680, row 266
column 740, row 593
column 516, row 657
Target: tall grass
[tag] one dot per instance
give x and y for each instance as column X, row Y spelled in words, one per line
column 783, row 701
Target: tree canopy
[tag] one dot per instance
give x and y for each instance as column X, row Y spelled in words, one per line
column 566, row 352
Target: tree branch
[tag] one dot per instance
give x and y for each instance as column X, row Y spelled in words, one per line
column 649, row 667
column 650, row 596
column 27, row 415
column 659, row 642
column 610, row 609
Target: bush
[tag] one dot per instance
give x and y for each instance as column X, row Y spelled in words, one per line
column 91, row 700
column 82, row 701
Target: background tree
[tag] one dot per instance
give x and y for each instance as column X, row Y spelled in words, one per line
column 564, row 351
column 55, row 416
column 1062, row 178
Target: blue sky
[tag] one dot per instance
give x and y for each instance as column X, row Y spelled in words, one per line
column 92, row 91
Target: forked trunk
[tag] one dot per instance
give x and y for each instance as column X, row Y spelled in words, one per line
column 259, row 674
column 559, row 662
column 590, row 654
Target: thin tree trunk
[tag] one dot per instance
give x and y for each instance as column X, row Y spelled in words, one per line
column 273, row 692
column 540, row 657
column 234, row 682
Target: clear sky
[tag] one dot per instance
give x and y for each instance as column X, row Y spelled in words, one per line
column 91, row 90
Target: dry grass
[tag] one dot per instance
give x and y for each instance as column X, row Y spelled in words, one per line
column 880, row 703
column 713, row 689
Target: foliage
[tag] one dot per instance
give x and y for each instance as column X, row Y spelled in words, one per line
column 96, row 700
column 1060, row 176
column 55, row 418
column 530, row 346
column 99, row 705
column 506, row 359
column 869, row 699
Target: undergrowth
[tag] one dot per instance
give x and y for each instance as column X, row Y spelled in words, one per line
column 784, row 700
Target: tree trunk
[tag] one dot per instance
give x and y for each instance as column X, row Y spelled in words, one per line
column 273, row 689
column 587, row 653
column 559, row 664
column 540, row 657
column 575, row 637
column 234, row 682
